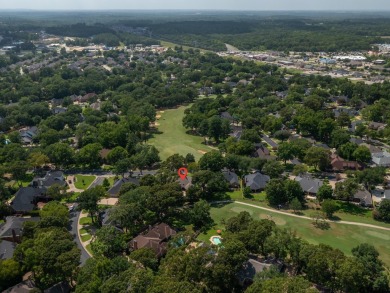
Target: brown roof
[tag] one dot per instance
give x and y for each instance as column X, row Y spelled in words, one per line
column 154, row 238
column 340, row 164
column 104, row 153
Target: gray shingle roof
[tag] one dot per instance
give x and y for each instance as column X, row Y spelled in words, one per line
column 308, row 184
column 256, row 181
column 16, row 224
column 24, row 200
column 231, row 178
column 114, row 190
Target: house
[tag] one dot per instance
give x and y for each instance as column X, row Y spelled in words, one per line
column 377, row 126
column 356, row 140
column 12, row 229
column 252, row 267
column 7, row 249
column 309, row 185
column 59, row 110
column 115, row 189
column 227, row 116
column 23, row 287
column 26, row 199
column 268, row 140
column 354, row 124
column 28, row 134
column 263, row 152
column 363, row 197
column 185, row 183
column 155, row 237
column 51, row 178
column 231, row 178
column 256, row 182
column 339, row 164
column 381, row 159
column 29, row 286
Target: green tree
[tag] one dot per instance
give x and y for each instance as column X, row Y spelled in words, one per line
column 60, row 154
column 273, row 169
column 10, row 273
column 295, row 205
column 280, row 284
column 212, row 161
column 383, row 211
column 239, row 222
column 145, row 256
column 325, row 191
column 370, row 177
column 286, row 151
column 89, row 155
column 116, row 154
column 345, row 190
column 276, row 192
column 200, row 216
column 51, row 255
column 362, row 154
column 376, row 278
column 317, row 157
column 329, row 207
column 109, row 242
column 57, row 192
column 54, row 214
column 294, row 191
column 88, row 200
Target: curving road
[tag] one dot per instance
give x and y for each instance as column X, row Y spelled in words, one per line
column 73, row 220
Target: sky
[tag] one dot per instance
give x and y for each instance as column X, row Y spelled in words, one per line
column 198, row 4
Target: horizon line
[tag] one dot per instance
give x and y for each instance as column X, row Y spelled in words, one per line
column 194, row 9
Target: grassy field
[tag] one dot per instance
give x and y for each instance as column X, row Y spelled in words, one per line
column 185, row 48
column 80, row 184
column 341, row 236
column 174, row 139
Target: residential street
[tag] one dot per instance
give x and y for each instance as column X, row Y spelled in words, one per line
column 74, row 217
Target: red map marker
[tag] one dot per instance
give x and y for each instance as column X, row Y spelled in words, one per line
column 182, row 173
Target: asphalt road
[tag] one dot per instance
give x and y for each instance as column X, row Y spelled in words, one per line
column 73, row 218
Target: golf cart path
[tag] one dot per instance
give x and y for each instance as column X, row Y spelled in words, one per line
column 308, row 218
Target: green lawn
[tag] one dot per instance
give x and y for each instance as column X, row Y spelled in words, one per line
column 341, row 236
column 85, row 221
column 174, row 139
column 84, row 181
column 185, row 48
column 88, row 247
column 86, row 237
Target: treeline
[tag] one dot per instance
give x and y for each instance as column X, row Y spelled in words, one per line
column 80, row 30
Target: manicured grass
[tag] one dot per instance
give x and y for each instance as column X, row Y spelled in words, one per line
column 341, row 236
column 174, row 139
column 237, row 195
column 83, row 231
column 85, row 221
column 88, row 247
column 84, row 181
column 86, row 237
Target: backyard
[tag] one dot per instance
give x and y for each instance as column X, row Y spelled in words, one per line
column 174, row 139
column 341, row 236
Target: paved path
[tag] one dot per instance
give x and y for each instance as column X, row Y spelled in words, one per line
column 308, row 218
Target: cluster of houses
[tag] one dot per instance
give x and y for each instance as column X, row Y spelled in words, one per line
column 26, row 200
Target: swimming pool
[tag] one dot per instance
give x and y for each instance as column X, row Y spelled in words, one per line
column 216, row 240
